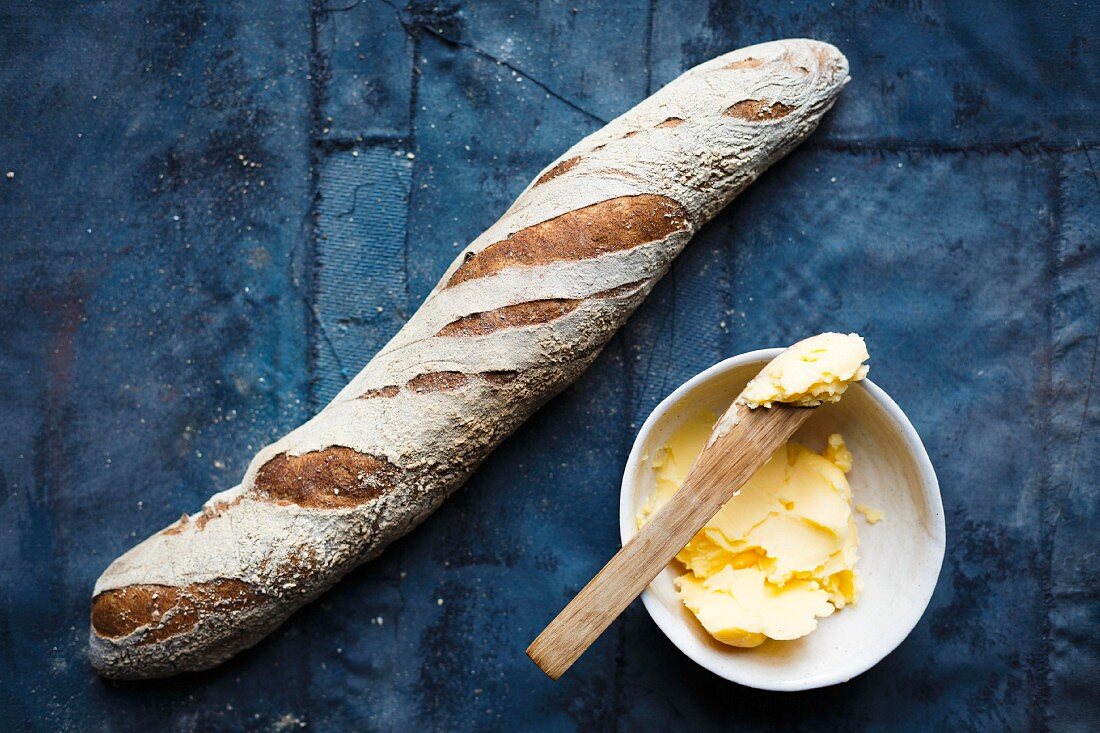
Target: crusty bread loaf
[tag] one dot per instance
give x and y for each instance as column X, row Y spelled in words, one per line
column 522, row 311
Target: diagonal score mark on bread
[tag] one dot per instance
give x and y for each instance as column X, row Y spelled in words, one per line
column 164, row 611
column 332, row 477
column 516, row 318
column 527, row 313
column 608, row 226
column 562, row 167
column 439, row 382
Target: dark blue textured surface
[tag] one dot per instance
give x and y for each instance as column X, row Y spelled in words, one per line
column 220, row 210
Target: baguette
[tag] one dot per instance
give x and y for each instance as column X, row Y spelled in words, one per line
column 519, row 315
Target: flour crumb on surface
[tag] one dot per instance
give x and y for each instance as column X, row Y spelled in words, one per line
column 288, row 722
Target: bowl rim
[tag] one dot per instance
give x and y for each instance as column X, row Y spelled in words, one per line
column 674, row 629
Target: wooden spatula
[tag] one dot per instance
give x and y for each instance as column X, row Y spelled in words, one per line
column 741, row 442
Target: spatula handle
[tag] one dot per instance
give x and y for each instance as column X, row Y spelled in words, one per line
column 715, row 477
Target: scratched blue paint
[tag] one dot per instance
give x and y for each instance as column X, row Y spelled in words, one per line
column 359, row 271
column 364, row 64
column 1073, row 502
column 212, row 200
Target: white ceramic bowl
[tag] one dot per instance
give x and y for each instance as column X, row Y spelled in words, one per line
column 900, row 556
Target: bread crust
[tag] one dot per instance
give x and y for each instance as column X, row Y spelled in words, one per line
column 521, row 312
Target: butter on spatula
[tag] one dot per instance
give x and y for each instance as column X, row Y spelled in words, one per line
column 762, row 418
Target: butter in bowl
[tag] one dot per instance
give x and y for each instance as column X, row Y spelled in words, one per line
column 824, row 561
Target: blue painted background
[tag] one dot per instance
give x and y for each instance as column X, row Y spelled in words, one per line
column 216, row 212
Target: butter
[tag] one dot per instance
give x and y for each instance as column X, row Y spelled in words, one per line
column 812, row 371
column 872, row 515
column 780, row 554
